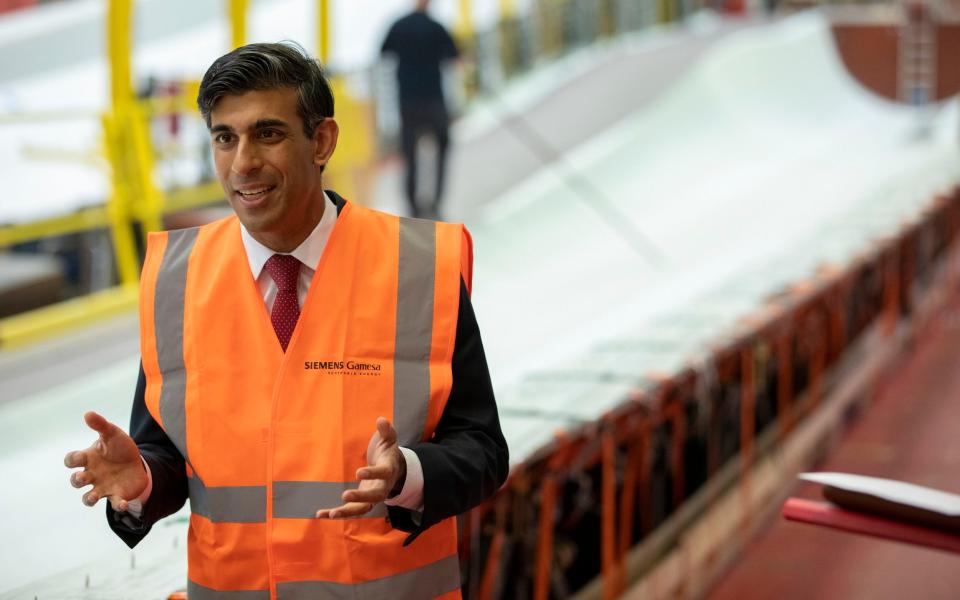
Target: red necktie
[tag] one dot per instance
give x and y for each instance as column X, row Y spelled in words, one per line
column 285, row 271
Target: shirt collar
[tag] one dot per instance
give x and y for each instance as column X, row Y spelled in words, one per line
column 308, row 252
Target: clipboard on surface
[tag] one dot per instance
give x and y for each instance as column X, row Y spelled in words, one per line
column 883, row 508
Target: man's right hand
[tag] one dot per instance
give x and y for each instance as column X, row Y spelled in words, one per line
column 112, row 465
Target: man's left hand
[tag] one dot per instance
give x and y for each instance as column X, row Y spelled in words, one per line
column 382, row 478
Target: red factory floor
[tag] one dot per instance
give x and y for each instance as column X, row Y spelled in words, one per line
column 910, row 432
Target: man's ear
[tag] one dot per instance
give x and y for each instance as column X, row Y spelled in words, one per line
column 325, row 141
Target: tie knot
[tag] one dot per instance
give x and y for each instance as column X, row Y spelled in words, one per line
column 285, row 271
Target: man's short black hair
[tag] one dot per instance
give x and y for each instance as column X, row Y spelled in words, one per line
column 266, row 67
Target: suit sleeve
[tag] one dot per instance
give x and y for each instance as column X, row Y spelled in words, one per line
column 167, row 468
column 467, row 459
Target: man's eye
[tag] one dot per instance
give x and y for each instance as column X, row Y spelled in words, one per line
column 222, row 138
column 269, row 134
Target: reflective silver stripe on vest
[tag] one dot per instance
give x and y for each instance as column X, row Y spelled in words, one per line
column 228, row 504
column 168, row 307
column 415, row 288
column 424, row 583
column 195, row 591
column 302, row 499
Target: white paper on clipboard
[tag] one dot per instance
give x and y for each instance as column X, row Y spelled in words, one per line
column 891, row 490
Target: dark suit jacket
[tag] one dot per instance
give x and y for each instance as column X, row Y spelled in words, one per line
column 465, row 462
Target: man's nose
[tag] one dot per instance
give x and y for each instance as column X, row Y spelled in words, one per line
column 247, row 159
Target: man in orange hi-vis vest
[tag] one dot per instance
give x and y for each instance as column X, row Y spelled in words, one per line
column 312, row 376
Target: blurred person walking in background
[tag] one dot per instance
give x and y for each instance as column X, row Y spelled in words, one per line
column 421, row 46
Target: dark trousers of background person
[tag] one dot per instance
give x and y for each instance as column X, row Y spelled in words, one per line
column 419, row 119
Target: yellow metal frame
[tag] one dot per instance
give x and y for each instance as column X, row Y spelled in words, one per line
column 117, row 126
column 119, row 13
column 35, row 325
column 665, row 10
column 118, row 209
column 508, row 40
column 323, row 31
column 83, row 220
column 45, row 116
column 549, row 14
column 238, row 22
column 349, row 169
column 464, row 29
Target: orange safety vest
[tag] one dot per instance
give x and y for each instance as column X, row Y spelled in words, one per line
column 271, row 437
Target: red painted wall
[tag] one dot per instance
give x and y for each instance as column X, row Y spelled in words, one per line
column 869, row 53
column 12, row 5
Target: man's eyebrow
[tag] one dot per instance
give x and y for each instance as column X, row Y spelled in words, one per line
column 264, row 123
column 259, row 124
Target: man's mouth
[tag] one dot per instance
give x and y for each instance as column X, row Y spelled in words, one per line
column 255, row 193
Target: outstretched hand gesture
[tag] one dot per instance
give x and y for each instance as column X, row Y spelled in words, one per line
column 112, row 464
column 384, row 474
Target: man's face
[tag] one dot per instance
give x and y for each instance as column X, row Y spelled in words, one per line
column 268, row 167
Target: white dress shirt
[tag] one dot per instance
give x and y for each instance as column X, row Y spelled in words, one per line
column 308, row 253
